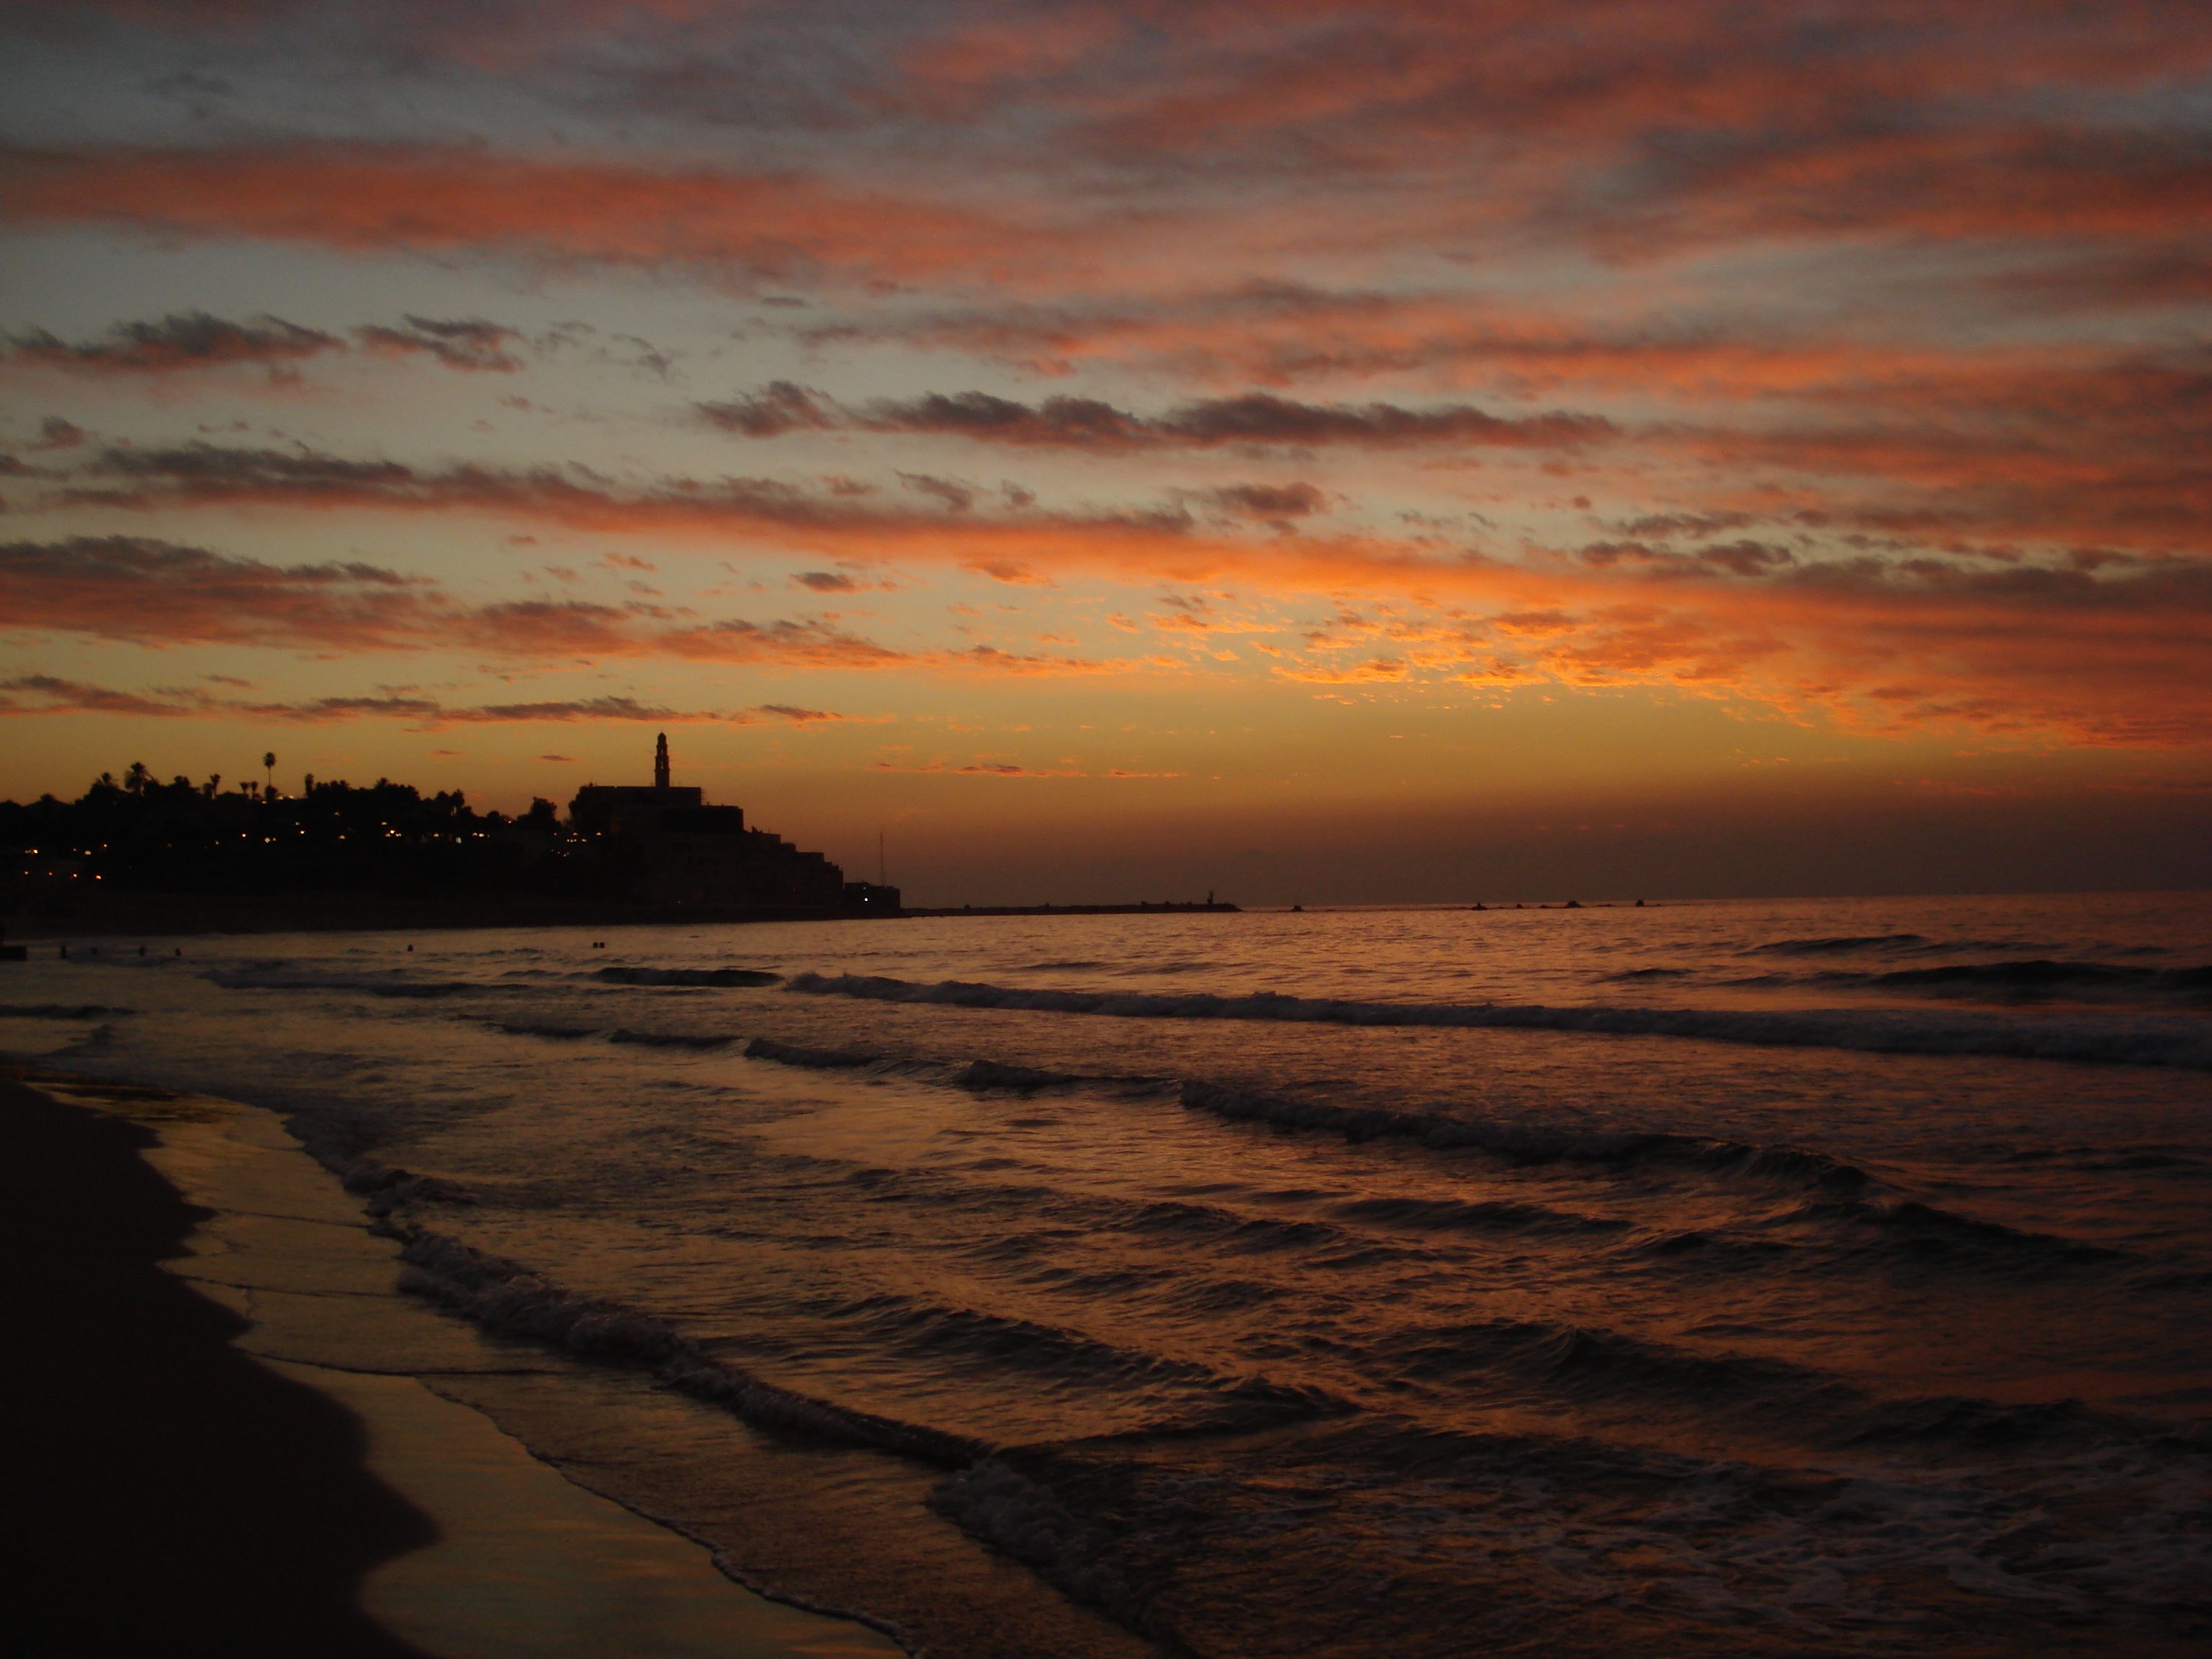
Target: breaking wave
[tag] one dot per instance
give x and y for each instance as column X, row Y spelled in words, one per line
column 1838, row 947
column 1200, row 1400
column 2048, row 978
column 1522, row 1143
column 1531, row 1143
column 280, row 977
column 1473, row 1216
column 506, row 1297
column 1589, row 1364
column 720, row 976
column 1874, row 1030
column 670, row 1039
column 1911, row 1228
column 2037, row 979
column 992, row 1074
column 1755, row 1560
column 818, row 1059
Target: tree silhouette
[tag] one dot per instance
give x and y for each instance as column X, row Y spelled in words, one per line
column 268, row 765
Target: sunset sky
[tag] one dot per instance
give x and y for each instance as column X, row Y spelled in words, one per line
column 1310, row 451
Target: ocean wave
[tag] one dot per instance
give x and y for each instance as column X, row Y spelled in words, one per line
column 2034, row 979
column 2042, row 977
column 1246, row 1234
column 820, row 1059
column 1852, row 1214
column 2098, row 1159
column 1532, row 1143
column 991, row 1075
column 720, row 976
column 670, row 1039
column 281, row 978
column 1588, row 1363
column 1391, row 1538
column 1702, row 1242
column 897, row 1322
column 1561, row 1359
column 506, row 1297
column 1902, row 1226
column 1874, row 1030
column 1968, row 1424
column 1463, row 1215
column 1522, row 1143
column 1839, row 946
column 1924, row 1231
column 1200, row 1399
column 387, row 1188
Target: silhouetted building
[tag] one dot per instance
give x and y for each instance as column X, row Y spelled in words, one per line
column 600, row 810
column 697, row 857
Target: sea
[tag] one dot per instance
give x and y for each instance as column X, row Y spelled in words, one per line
column 1806, row 1277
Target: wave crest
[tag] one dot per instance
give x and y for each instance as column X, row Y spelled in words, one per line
column 1879, row 1031
column 501, row 1295
column 725, row 977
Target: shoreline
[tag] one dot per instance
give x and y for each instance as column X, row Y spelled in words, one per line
column 242, row 1436
column 179, row 1488
column 185, row 915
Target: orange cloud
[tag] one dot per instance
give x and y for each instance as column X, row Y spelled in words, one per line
column 193, row 340
column 386, row 197
column 1616, row 125
column 45, row 694
column 2103, row 647
column 156, row 592
column 991, row 766
column 1093, row 424
column 159, row 593
column 181, row 340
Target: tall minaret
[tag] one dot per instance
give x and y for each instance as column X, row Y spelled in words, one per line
column 661, row 763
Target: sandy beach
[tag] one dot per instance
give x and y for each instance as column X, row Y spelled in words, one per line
column 242, row 1448
column 184, row 1494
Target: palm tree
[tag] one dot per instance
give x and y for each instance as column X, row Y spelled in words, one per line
column 268, row 765
column 137, row 778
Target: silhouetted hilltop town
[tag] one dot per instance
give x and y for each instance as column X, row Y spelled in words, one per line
column 337, row 855
column 186, row 857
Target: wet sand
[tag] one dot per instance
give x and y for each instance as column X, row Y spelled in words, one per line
column 172, row 1491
